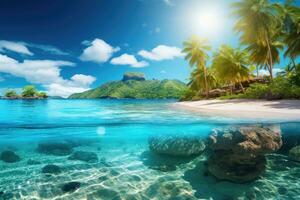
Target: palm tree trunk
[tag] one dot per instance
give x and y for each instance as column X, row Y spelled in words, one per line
column 241, row 85
column 231, row 88
column 270, row 58
column 293, row 61
column 205, row 80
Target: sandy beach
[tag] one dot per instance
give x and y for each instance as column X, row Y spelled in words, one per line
column 283, row 110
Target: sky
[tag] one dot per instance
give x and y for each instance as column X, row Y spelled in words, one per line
column 65, row 46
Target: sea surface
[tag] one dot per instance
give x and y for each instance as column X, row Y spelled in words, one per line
column 117, row 132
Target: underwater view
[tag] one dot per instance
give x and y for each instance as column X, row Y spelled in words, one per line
column 150, row 100
column 141, row 149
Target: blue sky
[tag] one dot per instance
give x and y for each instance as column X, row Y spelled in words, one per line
column 70, row 46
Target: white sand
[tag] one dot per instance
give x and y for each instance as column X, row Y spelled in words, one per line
column 283, row 110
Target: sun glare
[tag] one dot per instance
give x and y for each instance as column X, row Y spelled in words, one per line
column 206, row 21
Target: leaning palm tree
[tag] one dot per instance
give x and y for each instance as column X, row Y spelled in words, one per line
column 257, row 21
column 230, row 65
column 258, row 52
column 196, row 54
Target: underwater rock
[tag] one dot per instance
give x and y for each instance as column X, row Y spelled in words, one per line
column 6, row 195
column 294, row 154
column 290, row 137
column 71, row 186
column 9, row 157
column 84, row 156
column 51, row 169
column 184, row 146
column 57, row 148
column 33, row 162
column 238, row 153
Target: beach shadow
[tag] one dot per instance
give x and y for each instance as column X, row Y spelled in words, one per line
column 284, row 104
column 229, row 101
column 163, row 162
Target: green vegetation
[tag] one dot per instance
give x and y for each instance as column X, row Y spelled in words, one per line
column 196, row 54
column 11, row 94
column 148, row 89
column 29, row 92
column 266, row 30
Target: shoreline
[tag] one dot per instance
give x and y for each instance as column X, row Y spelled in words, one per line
column 282, row 110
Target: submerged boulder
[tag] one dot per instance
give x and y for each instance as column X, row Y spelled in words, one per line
column 33, row 162
column 184, row 146
column 55, row 148
column 70, row 186
column 84, row 156
column 9, row 157
column 238, row 153
column 51, row 169
column 294, row 154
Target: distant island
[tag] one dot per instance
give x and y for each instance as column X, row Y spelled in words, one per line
column 29, row 92
column 135, row 86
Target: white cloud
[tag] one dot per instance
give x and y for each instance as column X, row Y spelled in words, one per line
column 97, row 51
column 83, row 80
column 163, row 72
column 127, row 59
column 157, row 30
column 264, row 72
column 64, row 89
column 162, row 52
column 46, row 73
column 18, row 47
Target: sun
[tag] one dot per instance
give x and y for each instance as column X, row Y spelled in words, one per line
column 207, row 21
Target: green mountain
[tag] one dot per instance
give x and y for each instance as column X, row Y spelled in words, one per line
column 135, row 87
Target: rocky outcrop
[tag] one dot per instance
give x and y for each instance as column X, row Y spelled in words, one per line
column 84, row 156
column 133, row 76
column 55, row 148
column 70, row 186
column 9, row 157
column 238, row 153
column 294, row 154
column 184, row 146
column 51, row 169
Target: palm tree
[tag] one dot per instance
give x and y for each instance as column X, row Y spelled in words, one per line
column 196, row 54
column 230, row 65
column 257, row 22
column 258, row 52
column 290, row 16
column 197, row 80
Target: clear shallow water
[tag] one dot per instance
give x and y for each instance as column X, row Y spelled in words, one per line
column 117, row 132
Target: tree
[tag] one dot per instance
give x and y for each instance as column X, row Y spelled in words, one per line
column 290, row 16
column 197, row 80
column 11, row 94
column 196, row 54
column 29, row 91
column 230, row 65
column 257, row 22
column 258, row 52
column 42, row 95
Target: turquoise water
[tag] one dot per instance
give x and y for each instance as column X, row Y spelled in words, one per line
column 117, row 132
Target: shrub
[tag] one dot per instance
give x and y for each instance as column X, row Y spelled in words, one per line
column 11, row 94
column 42, row 95
column 29, row 91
